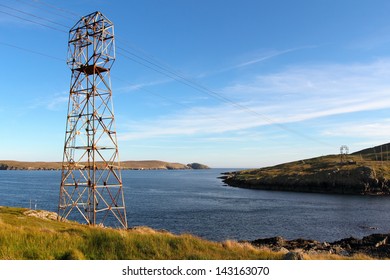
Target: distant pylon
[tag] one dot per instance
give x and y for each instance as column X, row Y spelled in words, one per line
column 91, row 183
column 344, row 153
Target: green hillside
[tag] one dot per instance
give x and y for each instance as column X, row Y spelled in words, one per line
column 363, row 172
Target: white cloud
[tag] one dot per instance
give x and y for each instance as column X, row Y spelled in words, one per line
column 359, row 135
column 57, row 102
column 315, row 91
column 293, row 95
column 53, row 103
column 195, row 121
column 265, row 55
column 379, row 129
column 133, row 87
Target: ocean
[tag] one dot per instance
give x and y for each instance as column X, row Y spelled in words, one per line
column 197, row 202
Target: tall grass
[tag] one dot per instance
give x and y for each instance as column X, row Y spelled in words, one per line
column 23, row 237
column 31, row 238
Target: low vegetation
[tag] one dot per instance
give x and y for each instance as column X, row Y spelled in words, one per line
column 33, row 235
column 29, row 237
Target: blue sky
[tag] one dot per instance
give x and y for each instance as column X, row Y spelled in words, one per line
column 246, row 83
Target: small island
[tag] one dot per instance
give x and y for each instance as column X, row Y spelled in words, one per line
column 196, row 165
column 366, row 172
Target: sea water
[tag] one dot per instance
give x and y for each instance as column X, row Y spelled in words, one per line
column 197, row 202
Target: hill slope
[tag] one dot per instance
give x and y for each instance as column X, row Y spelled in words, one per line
column 364, row 172
column 30, row 234
column 36, row 235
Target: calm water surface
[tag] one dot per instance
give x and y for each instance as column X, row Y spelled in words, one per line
column 195, row 201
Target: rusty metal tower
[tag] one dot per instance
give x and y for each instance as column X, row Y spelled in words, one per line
column 91, row 183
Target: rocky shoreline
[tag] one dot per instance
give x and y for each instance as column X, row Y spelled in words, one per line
column 375, row 245
column 342, row 183
column 317, row 175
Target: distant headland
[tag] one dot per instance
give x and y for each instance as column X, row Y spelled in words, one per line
column 126, row 165
column 366, row 172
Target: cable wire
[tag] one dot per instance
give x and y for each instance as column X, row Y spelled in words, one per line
column 32, row 15
column 32, row 51
column 32, row 21
column 173, row 74
column 57, row 8
column 51, row 12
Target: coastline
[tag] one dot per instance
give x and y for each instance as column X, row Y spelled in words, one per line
column 317, row 175
column 125, row 165
column 323, row 187
column 374, row 245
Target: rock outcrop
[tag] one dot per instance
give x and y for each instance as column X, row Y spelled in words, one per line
column 375, row 245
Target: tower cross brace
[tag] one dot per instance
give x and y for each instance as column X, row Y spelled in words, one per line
column 91, row 182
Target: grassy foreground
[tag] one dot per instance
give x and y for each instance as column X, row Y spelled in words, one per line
column 24, row 237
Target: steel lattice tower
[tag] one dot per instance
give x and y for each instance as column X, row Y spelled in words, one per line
column 91, row 183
